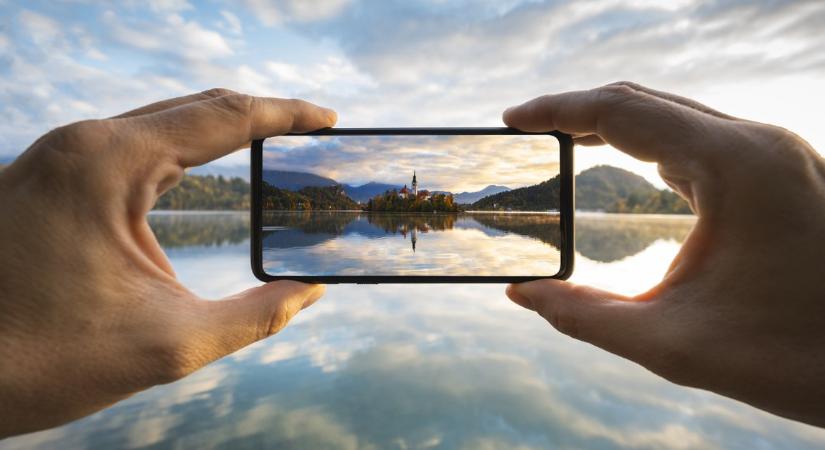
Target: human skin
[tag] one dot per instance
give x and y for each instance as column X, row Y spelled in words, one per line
column 90, row 309
column 741, row 310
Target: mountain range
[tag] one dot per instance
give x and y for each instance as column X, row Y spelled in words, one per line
column 295, row 181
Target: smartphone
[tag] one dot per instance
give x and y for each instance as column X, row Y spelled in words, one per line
column 412, row 205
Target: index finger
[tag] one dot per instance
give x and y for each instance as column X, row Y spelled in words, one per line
column 203, row 131
column 643, row 125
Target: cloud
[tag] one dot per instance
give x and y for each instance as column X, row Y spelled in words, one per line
column 282, row 11
column 450, row 163
column 431, row 63
column 190, row 39
column 232, row 21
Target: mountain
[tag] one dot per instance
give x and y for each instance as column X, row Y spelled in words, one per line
column 610, row 189
column 539, row 197
column 367, row 191
column 294, row 181
column 472, row 197
column 600, row 188
column 306, row 198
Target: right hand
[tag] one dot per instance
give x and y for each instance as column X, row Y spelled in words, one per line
column 741, row 310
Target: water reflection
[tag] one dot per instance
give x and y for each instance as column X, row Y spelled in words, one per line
column 611, row 237
column 429, row 366
column 357, row 243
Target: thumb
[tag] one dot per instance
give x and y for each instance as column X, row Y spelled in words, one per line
column 252, row 315
column 613, row 322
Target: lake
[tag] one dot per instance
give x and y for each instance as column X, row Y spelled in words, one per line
column 424, row 366
column 360, row 243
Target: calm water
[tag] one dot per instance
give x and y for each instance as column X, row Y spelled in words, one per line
column 429, row 366
column 356, row 243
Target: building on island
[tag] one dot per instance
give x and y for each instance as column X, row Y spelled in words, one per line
column 413, row 191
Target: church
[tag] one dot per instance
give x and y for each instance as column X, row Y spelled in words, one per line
column 413, row 192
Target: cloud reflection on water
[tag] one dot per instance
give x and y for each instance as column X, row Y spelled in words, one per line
column 425, row 366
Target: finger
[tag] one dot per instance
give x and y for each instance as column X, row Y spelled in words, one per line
column 203, row 131
column 250, row 316
column 173, row 102
column 642, row 125
column 610, row 321
column 676, row 99
column 590, row 140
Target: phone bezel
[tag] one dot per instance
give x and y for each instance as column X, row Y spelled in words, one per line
column 566, row 210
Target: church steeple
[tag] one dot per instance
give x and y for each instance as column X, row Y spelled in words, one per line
column 414, row 185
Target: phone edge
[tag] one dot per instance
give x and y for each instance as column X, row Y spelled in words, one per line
column 567, row 205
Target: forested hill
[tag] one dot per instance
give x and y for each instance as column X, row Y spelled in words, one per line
column 207, row 193
column 600, row 188
column 610, row 189
column 539, row 197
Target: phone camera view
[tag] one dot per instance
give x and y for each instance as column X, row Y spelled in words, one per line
column 401, row 205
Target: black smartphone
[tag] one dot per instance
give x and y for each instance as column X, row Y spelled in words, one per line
column 413, row 205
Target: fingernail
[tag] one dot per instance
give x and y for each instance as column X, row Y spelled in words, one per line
column 332, row 116
column 519, row 298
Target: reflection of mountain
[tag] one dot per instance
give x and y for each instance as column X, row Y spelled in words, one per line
column 472, row 197
column 611, row 238
column 543, row 227
column 284, row 229
column 184, row 230
column 610, row 189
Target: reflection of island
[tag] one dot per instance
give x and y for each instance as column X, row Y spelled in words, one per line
column 610, row 238
column 412, row 200
column 289, row 229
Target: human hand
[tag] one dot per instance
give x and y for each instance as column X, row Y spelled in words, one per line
column 90, row 310
column 741, row 311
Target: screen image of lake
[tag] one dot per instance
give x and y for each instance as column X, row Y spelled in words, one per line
column 352, row 243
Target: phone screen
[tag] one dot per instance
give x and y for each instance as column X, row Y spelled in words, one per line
column 453, row 205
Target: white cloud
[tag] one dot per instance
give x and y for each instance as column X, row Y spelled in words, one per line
column 233, row 23
column 335, row 74
column 284, row 11
column 42, row 30
column 187, row 40
column 169, row 5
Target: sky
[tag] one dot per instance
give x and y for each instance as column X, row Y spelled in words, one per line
column 407, row 63
column 441, row 163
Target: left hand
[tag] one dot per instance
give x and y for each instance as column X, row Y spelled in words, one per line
column 90, row 310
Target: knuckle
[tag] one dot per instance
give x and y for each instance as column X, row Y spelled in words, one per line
column 612, row 92
column 66, row 149
column 79, row 136
column 236, row 103
column 629, row 84
column 217, row 92
column 277, row 321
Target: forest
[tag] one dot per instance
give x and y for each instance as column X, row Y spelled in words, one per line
column 391, row 202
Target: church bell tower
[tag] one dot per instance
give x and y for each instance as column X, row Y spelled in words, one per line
column 414, row 185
